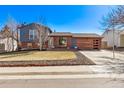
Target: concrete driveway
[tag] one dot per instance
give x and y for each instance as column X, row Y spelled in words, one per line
column 105, row 62
column 104, row 57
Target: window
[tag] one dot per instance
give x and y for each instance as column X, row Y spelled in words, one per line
column 62, row 41
column 18, row 33
column 31, row 35
column 95, row 44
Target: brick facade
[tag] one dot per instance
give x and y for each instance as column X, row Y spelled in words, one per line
column 81, row 43
column 31, row 45
column 89, row 43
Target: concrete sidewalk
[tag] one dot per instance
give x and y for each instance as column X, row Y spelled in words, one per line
column 110, row 76
column 59, row 76
column 46, row 69
column 58, row 72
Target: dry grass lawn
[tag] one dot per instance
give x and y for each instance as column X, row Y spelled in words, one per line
column 37, row 55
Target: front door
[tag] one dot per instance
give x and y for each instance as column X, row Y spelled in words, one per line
column 73, row 42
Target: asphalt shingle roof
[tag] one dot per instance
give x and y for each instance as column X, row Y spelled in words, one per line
column 74, row 34
column 61, row 34
column 85, row 35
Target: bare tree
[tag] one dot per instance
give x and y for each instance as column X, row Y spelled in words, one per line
column 12, row 24
column 114, row 20
column 109, row 22
column 120, row 16
column 43, row 32
column 43, row 36
column 7, row 35
column 42, row 20
column 115, row 16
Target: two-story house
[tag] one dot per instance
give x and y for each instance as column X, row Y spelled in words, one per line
column 32, row 34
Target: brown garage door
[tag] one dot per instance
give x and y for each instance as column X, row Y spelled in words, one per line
column 84, row 43
column 122, row 40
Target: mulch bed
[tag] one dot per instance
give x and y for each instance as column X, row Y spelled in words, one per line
column 80, row 60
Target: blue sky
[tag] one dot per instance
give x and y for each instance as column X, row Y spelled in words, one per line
column 83, row 19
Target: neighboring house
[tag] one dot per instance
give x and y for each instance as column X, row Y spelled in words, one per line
column 29, row 37
column 6, row 38
column 107, row 41
column 75, row 40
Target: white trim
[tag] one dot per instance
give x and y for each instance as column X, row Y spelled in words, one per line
column 31, row 32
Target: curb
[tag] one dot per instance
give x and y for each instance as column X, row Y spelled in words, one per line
column 89, row 76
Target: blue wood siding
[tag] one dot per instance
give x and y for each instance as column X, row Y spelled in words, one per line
column 23, row 38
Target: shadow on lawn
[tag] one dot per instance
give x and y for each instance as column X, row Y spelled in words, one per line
column 14, row 54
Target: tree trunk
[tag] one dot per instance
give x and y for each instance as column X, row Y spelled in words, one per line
column 17, row 41
column 40, row 42
column 113, row 42
column 12, row 41
column 8, row 48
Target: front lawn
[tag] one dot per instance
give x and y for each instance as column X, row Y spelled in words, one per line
column 37, row 55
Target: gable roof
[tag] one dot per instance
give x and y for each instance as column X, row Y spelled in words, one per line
column 33, row 25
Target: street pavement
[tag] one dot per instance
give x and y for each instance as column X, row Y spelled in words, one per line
column 63, row 83
column 59, row 77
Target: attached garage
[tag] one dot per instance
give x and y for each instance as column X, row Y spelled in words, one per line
column 88, row 40
column 88, row 43
column 78, row 40
column 84, row 43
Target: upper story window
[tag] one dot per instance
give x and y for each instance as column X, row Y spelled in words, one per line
column 47, row 31
column 18, row 34
column 31, row 34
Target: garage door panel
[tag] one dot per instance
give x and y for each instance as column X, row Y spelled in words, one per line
column 122, row 40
